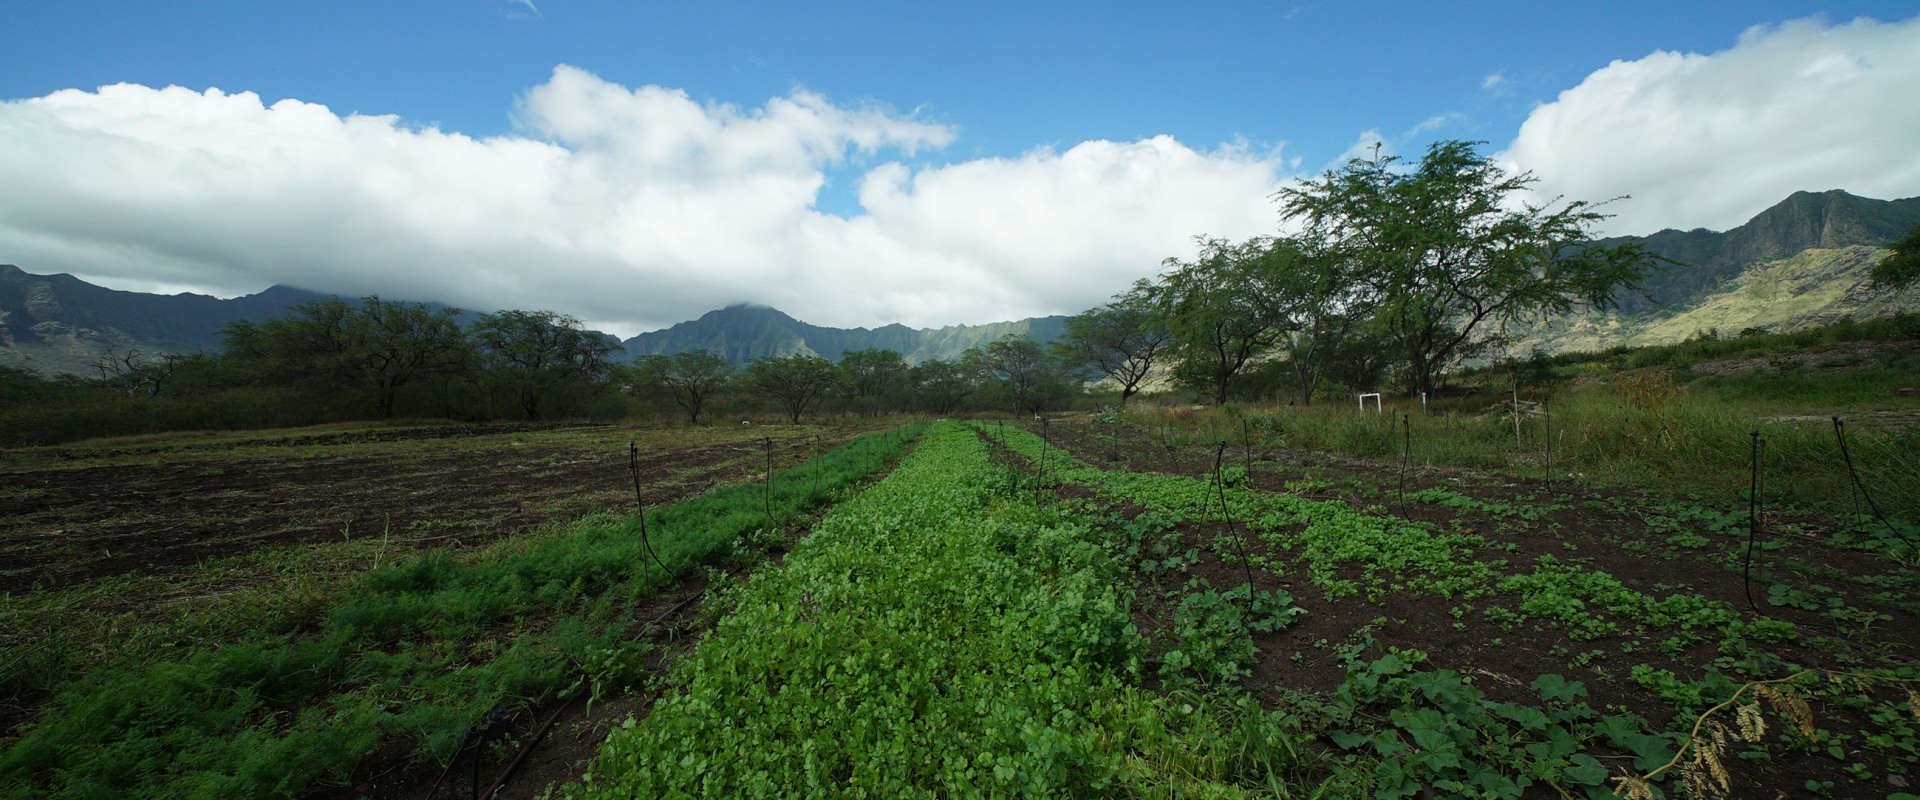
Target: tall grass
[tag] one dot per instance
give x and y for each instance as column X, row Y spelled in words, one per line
column 1667, row 441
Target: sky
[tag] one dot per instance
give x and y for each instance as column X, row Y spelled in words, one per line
column 636, row 164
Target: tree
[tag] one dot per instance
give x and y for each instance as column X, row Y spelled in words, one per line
column 1319, row 303
column 689, row 379
column 794, row 382
column 377, row 347
column 137, row 374
column 1220, row 311
column 1902, row 266
column 1024, row 372
column 538, row 354
column 1120, row 340
column 942, row 386
column 875, row 374
column 1451, row 245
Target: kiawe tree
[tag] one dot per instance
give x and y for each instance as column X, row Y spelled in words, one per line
column 794, row 382
column 378, row 346
column 1451, row 250
column 1121, row 340
column 1220, row 311
column 872, row 375
column 689, row 379
column 537, row 355
column 941, row 386
column 1022, row 370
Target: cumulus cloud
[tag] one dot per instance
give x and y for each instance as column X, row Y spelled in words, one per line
column 631, row 208
column 1711, row 140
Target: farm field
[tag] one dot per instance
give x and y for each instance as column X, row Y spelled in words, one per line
column 1497, row 640
column 79, row 513
column 132, row 553
column 1058, row 609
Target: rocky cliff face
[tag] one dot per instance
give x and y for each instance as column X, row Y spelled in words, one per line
column 1705, row 260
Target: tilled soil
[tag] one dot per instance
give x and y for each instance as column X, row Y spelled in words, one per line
column 69, row 519
column 1599, row 530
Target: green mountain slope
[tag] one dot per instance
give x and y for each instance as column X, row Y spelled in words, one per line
column 1816, row 286
column 745, row 332
column 59, row 323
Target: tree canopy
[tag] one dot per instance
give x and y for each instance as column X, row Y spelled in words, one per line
column 1450, row 250
column 1121, row 340
column 535, row 355
column 377, row 346
column 689, row 379
column 794, row 382
column 1902, row 267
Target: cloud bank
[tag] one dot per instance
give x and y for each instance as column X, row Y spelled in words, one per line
column 1711, row 140
column 630, row 208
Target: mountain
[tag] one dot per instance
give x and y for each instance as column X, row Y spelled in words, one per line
column 745, row 332
column 1816, row 286
column 1708, row 262
column 59, row 323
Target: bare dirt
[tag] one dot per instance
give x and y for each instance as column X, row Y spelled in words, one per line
column 76, row 514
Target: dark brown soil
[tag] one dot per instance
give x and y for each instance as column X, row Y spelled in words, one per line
column 149, row 511
column 1598, row 530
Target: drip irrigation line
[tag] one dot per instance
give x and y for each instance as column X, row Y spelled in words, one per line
column 1859, row 489
column 1219, row 480
column 519, row 758
column 633, row 467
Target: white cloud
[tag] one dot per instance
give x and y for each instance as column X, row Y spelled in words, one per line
column 632, row 208
column 1497, row 82
column 1711, row 140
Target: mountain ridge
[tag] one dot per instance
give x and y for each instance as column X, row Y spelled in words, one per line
column 1706, row 262
column 60, row 323
column 743, row 332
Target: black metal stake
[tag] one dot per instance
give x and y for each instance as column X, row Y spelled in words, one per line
column 1406, row 458
column 1040, row 476
column 767, row 496
column 1546, row 413
column 1753, row 518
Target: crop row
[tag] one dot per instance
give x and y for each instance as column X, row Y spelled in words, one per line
column 935, row 636
column 417, row 651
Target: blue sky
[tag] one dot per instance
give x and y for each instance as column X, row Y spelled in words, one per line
column 926, row 140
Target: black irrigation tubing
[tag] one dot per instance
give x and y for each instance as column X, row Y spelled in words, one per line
column 1753, row 518
column 1859, row 489
column 1219, row 480
column 633, row 467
